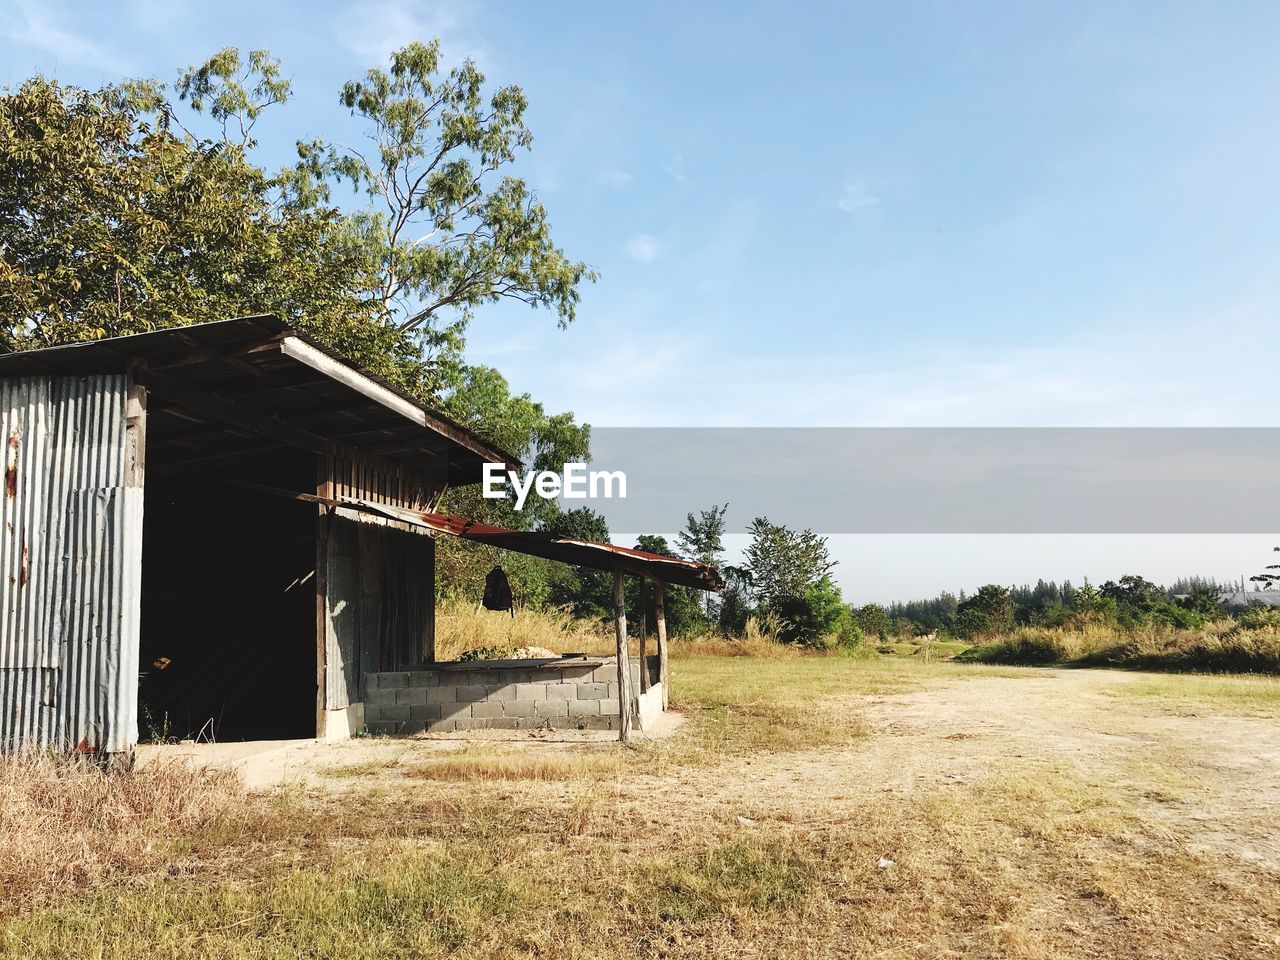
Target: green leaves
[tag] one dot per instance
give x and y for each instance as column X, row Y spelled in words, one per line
column 449, row 232
column 116, row 218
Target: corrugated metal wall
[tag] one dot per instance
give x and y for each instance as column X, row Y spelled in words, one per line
column 70, row 567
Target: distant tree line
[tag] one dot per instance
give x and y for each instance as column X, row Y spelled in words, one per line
column 1129, row 601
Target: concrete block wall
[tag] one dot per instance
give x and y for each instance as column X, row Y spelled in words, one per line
column 549, row 695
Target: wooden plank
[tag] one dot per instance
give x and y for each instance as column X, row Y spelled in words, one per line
column 624, row 667
column 135, row 428
column 644, row 638
column 660, row 618
column 324, row 491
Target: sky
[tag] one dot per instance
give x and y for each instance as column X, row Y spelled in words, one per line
column 847, row 214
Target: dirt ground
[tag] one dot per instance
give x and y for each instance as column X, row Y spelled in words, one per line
column 1211, row 780
column 974, row 812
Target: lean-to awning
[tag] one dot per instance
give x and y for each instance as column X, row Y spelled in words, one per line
column 583, row 553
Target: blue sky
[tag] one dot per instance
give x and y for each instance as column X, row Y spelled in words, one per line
column 848, row 214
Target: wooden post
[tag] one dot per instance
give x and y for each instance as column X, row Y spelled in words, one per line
column 624, row 667
column 644, row 635
column 135, row 427
column 324, row 490
column 660, row 616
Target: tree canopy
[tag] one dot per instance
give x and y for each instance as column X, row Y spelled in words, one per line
column 123, row 209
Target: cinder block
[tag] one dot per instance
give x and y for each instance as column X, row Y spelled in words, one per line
column 582, row 673
column 379, row 728
column 518, row 708
column 551, row 708
column 415, row 696
column 426, row 712
column 438, row 694
column 613, row 690
column 486, row 710
column 379, row 696
column 609, row 707
column 606, row 673
column 531, row 691
column 393, row 680
column 469, row 693
column 455, row 711
column 372, row 713
column 584, row 708
column 395, row 711
column 506, row 691
column 562, row 691
column 592, row 691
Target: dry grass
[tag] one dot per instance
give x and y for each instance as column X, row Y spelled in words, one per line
column 464, row 626
column 517, row 850
column 1223, row 646
column 495, row 763
column 65, row 824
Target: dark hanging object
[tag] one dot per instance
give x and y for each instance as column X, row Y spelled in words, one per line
column 497, row 591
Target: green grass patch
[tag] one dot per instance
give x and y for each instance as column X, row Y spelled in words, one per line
column 742, row 877
column 1253, row 695
column 397, row 906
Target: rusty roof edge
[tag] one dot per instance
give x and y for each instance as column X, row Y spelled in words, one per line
column 706, row 575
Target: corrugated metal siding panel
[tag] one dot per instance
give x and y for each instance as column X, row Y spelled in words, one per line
column 71, row 576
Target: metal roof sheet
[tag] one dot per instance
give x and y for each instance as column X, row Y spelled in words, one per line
column 583, row 553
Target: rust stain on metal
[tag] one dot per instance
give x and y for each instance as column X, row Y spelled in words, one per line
column 11, row 470
column 22, row 574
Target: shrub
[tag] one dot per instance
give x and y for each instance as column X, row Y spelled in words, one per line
column 1258, row 615
column 809, row 618
column 1026, row 645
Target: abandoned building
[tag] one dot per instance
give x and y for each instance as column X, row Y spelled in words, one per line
column 227, row 530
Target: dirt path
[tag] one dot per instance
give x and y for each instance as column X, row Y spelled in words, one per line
column 1209, row 779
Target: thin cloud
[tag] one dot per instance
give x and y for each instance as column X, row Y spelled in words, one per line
column 643, row 248
column 616, row 178
column 31, row 25
column 855, row 196
column 675, row 169
column 375, row 29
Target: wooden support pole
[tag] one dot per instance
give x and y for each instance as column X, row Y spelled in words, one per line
column 624, row 667
column 660, row 616
column 135, row 428
column 324, row 493
column 644, row 635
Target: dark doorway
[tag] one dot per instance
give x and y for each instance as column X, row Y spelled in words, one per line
column 228, row 649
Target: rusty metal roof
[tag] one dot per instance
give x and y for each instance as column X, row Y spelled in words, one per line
column 583, row 553
column 263, row 366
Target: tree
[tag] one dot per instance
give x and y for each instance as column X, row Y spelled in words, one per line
column 1203, row 598
column 447, row 231
column 116, row 218
column 1266, row 579
column 988, row 611
column 735, row 600
column 586, row 591
column 873, row 620
column 810, row 617
column 111, row 223
column 682, row 606
column 783, row 563
column 703, row 540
